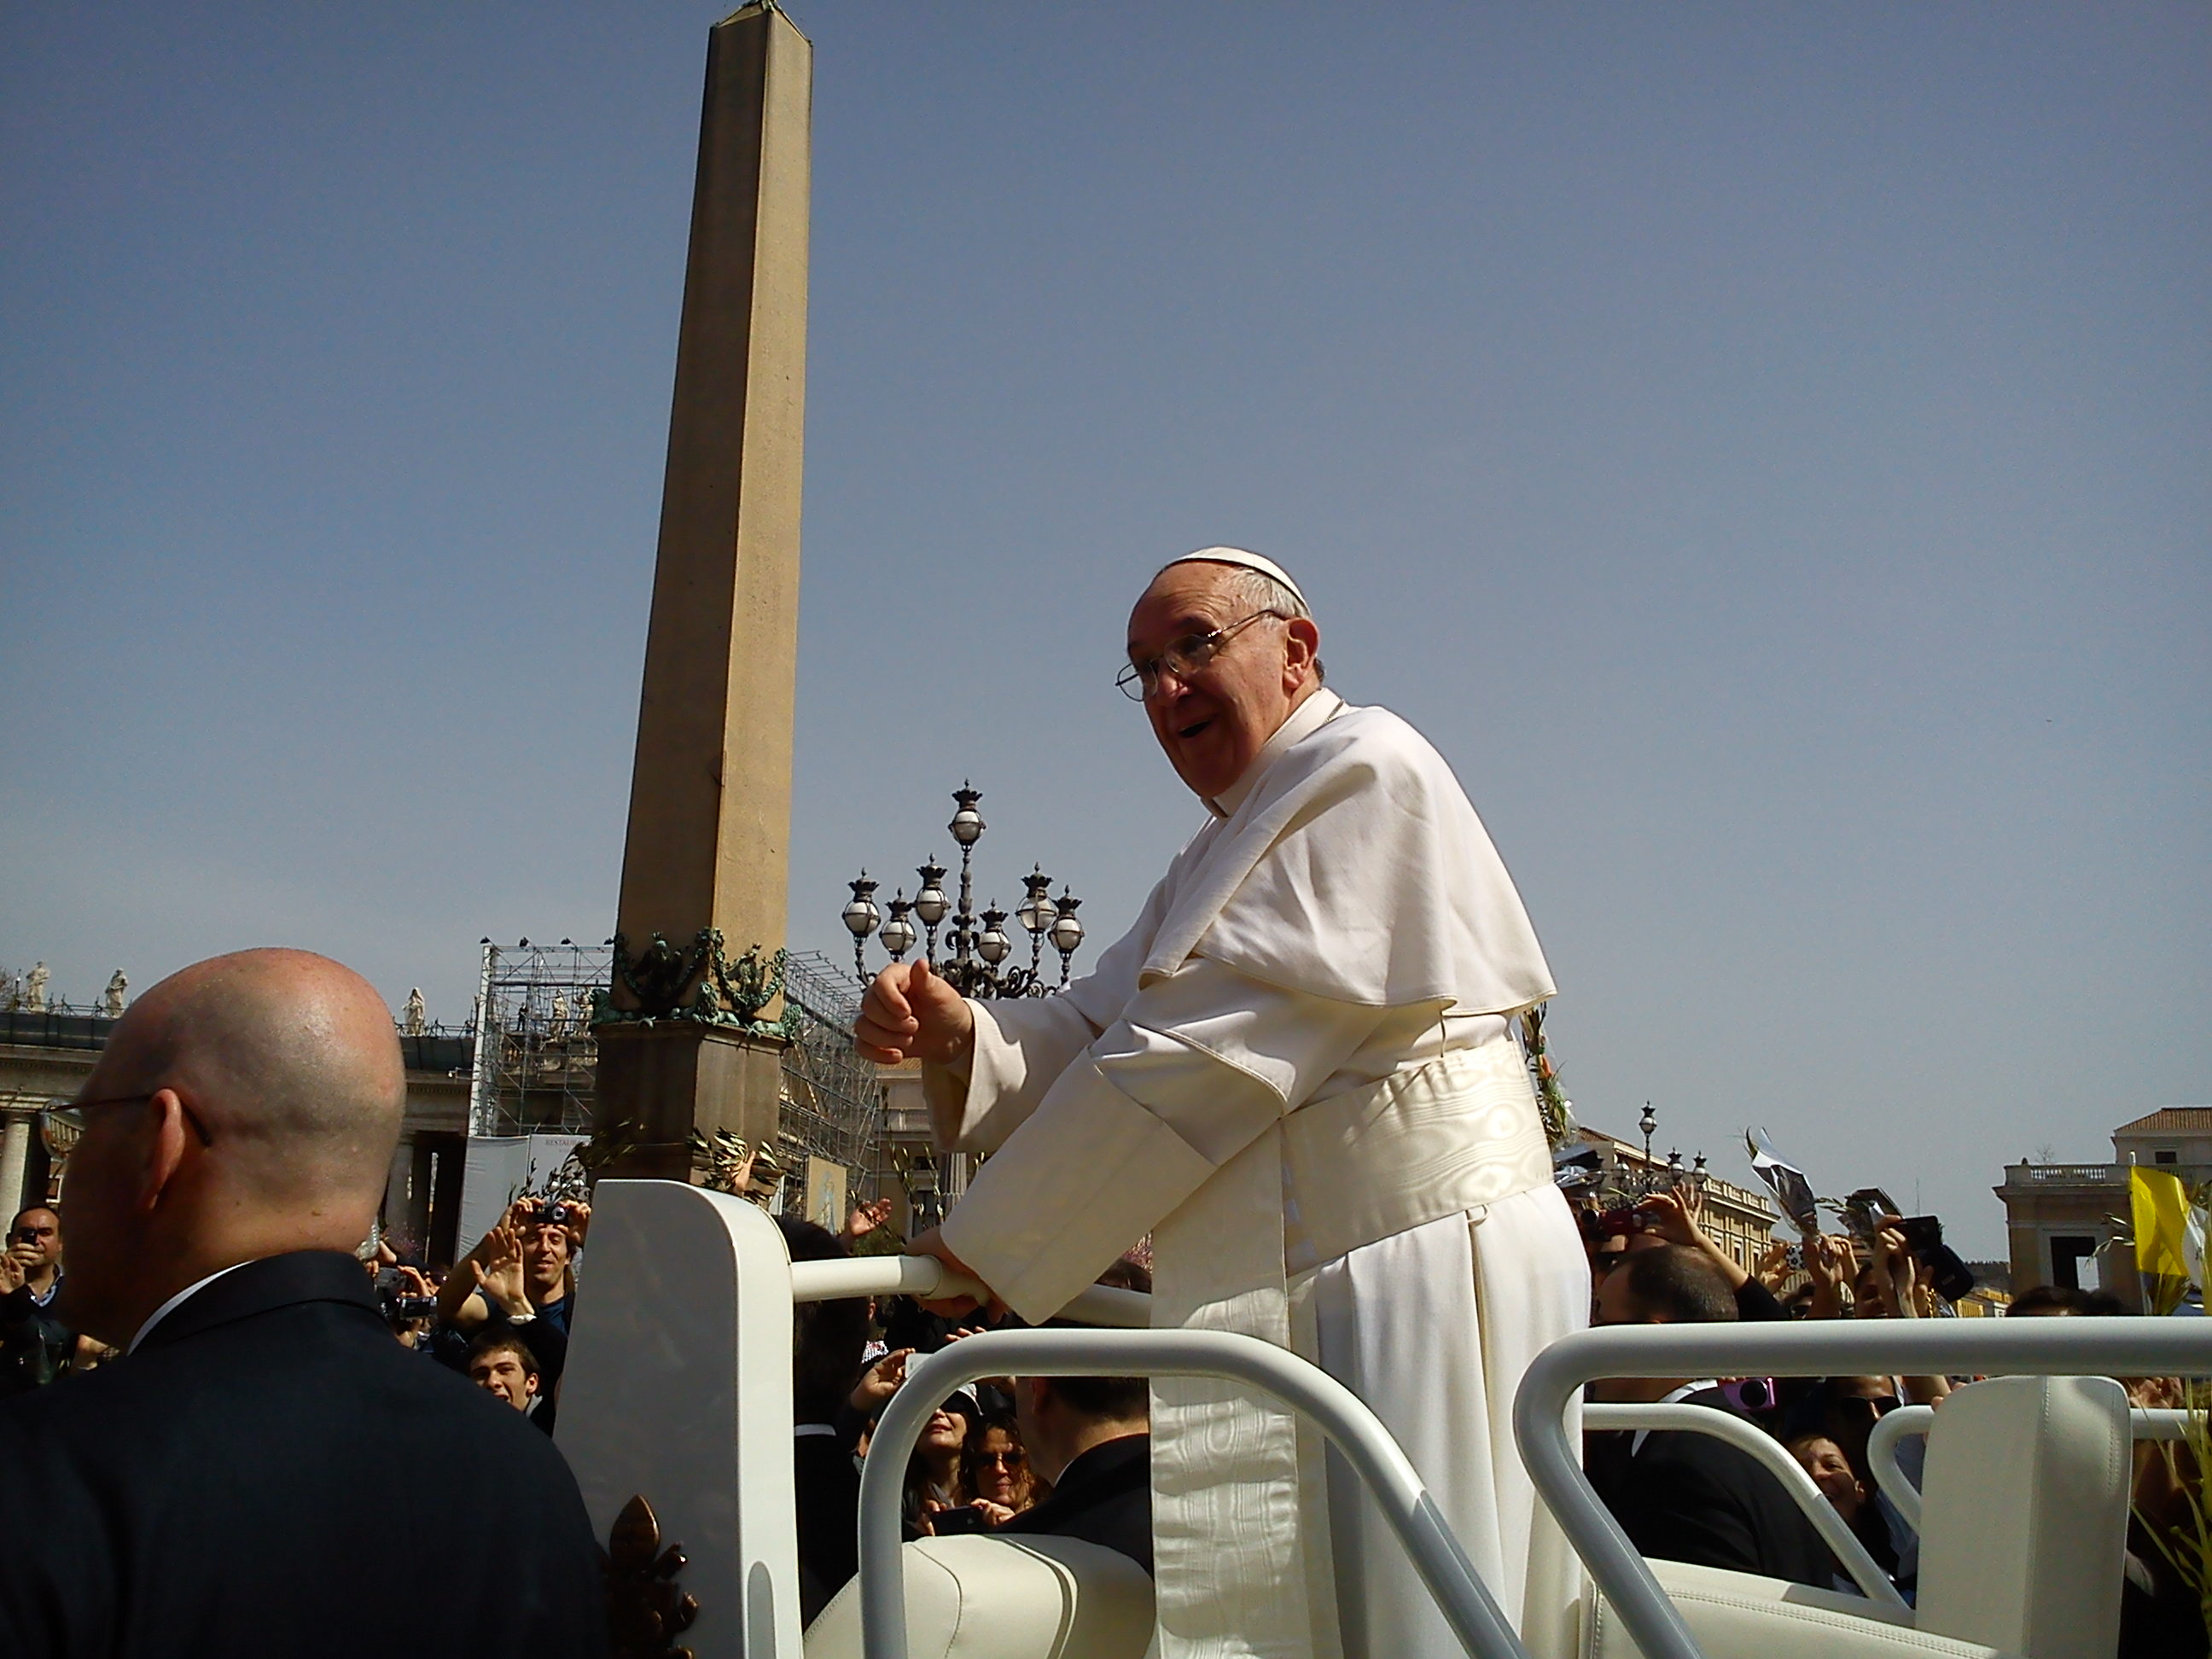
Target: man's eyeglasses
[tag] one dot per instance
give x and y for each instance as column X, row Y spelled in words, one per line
column 1183, row 658
column 71, row 1116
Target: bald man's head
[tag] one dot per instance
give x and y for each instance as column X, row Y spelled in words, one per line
column 245, row 1106
column 289, row 1057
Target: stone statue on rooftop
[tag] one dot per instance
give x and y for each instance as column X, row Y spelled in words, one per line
column 411, row 1019
column 111, row 1000
column 35, row 990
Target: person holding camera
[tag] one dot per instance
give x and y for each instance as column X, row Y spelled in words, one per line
column 35, row 1346
column 519, row 1280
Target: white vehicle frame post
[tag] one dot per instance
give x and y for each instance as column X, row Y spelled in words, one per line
column 1895, row 1425
column 1482, row 1630
column 1932, row 1347
column 678, row 1391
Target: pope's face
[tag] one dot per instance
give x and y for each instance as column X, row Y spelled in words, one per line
column 1213, row 724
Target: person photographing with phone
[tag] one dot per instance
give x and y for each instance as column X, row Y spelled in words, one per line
column 35, row 1345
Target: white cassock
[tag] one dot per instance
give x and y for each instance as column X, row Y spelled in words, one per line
column 1297, row 1071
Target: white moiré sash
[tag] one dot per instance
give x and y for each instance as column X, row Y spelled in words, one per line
column 1243, row 1567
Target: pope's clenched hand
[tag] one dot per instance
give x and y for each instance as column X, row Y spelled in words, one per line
column 909, row 1013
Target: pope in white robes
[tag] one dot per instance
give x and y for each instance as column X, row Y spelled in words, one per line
column 1297, row 1072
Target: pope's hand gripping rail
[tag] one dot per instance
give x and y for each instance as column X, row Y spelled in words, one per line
column 2032, row 1348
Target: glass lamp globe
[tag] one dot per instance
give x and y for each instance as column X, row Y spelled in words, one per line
column 967, row 823
column 994, row 944
column 898, row 933
column 930, row 903
column 1066, row 931
column 1034, row 912
column 861, row 915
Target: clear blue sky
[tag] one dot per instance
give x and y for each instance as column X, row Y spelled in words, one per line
column 1763, row 447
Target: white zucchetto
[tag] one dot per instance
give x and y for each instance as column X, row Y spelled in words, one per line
column 1239, row 556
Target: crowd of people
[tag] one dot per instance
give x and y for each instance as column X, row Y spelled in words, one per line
column 1070, row 1455
column 1687, row 1497
column 1063, row 1456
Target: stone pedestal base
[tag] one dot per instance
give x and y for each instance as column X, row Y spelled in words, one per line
column 665, row 1079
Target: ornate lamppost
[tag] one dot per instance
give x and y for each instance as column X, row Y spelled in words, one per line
column 978, row 946
column 1652, row 1177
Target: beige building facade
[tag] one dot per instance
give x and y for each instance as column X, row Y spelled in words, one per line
column 2067, row 1224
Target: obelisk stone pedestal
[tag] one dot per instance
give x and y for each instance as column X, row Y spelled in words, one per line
column 689, row 1038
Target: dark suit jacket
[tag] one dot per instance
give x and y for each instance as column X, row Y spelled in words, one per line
column 827, row 1487
column 1104, row 1497
column 1690, row 1498
column 270, row 1472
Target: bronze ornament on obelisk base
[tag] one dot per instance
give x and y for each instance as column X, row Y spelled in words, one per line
column 690, row 1036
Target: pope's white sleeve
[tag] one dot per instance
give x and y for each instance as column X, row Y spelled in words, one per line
column 1021, row 1045
column 1024, row 1043
column 1199, row 1065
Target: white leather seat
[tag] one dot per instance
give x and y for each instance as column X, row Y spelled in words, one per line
column 2024, row 1515
column 2023, row 1534
column 1740, row 1615
column 1031, row 1597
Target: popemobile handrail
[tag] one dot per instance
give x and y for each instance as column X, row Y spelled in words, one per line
column 1475, row 1620
column 924, row 1276
column 2158, row 1424
column 1747, row 1436
column 1929, row 1347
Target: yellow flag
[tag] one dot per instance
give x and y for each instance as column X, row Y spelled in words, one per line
column 2160, row 1207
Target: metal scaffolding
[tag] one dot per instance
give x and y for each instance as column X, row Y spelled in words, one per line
column 535, row 1069
column 536, row 1060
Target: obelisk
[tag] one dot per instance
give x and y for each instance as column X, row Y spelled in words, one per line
column 687, row 1035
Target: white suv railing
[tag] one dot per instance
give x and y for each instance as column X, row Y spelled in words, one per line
column 1935, row 1347
column 1474, row 1617
column 678, row 1389
column 1895, row 1425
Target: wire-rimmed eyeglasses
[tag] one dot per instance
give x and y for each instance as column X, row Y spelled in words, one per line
column 1183, row 658
column 70, row 1114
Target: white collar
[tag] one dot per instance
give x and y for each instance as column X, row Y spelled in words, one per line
column 1674, row 1399
column 177, row 1300
column 1308, row 718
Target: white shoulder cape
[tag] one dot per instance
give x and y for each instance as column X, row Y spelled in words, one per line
column 1356, row 870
